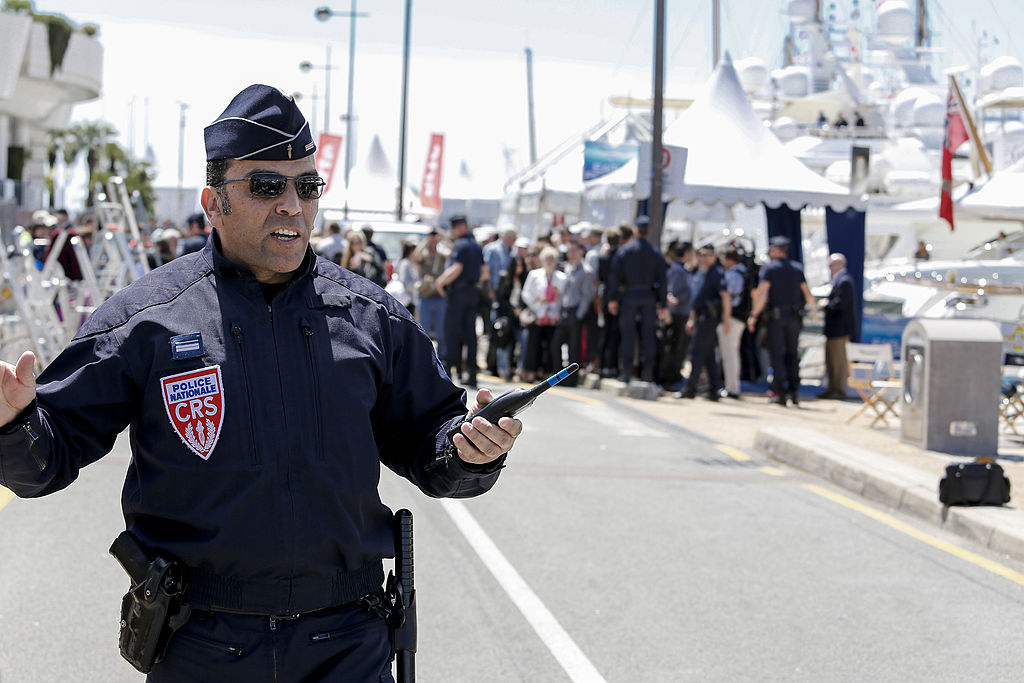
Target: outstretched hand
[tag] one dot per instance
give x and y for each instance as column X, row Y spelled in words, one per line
column 17, row 387
column 480, row 441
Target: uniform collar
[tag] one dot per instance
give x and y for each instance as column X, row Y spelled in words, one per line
column 229, row 269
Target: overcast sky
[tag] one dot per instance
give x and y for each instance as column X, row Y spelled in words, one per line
column 468, row 76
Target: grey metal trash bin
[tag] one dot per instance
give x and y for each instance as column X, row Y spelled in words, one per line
column 950, row 395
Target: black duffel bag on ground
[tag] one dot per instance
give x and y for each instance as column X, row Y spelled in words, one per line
column 981, row 482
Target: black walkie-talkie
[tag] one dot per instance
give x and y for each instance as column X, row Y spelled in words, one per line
column 513, row 402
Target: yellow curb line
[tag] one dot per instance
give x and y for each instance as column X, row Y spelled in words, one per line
column 734, row 453
column 5, row 497
column 938, row 543
column 566, row 393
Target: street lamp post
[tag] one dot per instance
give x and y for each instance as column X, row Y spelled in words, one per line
column 405, row 107
column 182, row 106
column 306, row 67
column 323, row 14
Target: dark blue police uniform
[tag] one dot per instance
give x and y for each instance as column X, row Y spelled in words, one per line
column 637, row 282
column 259, row 418
column 784, row 313
column 707, row 309
column 460, row 314
column 267, row 489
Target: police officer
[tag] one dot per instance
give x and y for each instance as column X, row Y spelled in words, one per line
column 711, row 305
column 458, row 283
column 636, row 287
column 781, row 295
column 263, row 386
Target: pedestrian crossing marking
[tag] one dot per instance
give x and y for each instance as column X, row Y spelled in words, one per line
column 734, row 453
column 5, row 496
column 938, row 543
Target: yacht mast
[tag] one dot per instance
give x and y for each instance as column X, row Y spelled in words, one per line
column 923, row 36
column 716, row 32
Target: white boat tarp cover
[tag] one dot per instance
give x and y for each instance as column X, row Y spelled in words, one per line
column 1001, row 197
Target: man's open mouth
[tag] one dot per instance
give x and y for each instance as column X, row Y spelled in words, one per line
column 283, row 235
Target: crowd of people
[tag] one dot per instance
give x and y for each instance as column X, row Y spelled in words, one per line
column 691, row 320
column 685, row 318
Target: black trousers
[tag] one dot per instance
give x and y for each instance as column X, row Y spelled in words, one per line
column 570, row 333
column 542, row 351
column 702, row 356
column 592, row 336
column 611, row 337
column 629, row 311
column 675, row 345
column 337, row 644
column 783, row 345
column 460, row 328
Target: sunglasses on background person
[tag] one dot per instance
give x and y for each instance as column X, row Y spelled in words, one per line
column 270, row 185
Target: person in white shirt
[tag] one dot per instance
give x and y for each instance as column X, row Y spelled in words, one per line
column 542, row 295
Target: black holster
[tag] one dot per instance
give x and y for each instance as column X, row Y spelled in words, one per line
column 155, row 606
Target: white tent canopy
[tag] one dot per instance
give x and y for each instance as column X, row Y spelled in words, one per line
column 734, row 158
column 373, row 184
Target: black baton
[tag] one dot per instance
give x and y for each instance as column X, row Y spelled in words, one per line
column 405, row 633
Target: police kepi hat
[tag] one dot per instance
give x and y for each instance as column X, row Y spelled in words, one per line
column 779, row 241
column 260, row 123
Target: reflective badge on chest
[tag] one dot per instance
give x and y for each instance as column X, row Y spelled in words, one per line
column 195, row 406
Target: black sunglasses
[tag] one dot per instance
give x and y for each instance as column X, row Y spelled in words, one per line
column 269, row 185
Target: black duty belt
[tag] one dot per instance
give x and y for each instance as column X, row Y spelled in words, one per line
column 210, row 591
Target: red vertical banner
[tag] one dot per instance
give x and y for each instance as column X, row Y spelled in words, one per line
column 328, row 149
column 955, row 135
column 430, row 191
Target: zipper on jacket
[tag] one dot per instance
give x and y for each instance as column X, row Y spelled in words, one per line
column 308, row 331
column 33, row 437
column 236, row 332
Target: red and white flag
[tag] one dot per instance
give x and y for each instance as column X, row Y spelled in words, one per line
column 430, row 191
column 328, row 149
column 955, row 135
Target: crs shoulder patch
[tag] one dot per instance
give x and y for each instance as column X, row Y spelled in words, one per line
column 195, row 405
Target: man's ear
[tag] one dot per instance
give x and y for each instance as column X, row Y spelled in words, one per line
column 213, row 207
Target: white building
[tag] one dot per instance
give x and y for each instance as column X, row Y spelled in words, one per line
column 37, row 96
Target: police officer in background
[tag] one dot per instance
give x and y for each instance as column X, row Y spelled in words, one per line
column 780, row 296
column 680, row 302
column 458, row 284
column 711, row 305
column 263, row 386
column 637, row 290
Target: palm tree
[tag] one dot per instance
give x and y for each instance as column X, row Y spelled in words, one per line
column 62, row 143
column 105, row 158
column 92, row 137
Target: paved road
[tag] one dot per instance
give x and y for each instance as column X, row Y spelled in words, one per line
column 614, row 547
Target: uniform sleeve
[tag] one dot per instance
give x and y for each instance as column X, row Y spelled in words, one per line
column 84, row 399
column 589, row 291
column 417, row 406
column 615, row 277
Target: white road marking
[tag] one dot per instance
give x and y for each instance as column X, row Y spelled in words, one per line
column 609, row 417
column 543, row 622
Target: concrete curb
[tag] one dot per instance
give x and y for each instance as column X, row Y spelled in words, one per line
column 891, row 483
column 647, row 391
